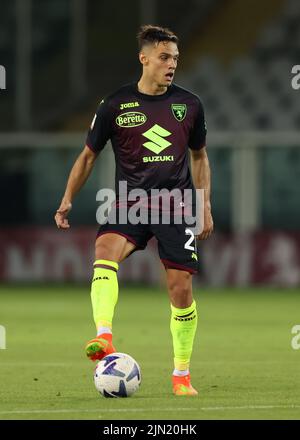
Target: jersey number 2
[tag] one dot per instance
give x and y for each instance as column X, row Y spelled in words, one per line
column 190, row 240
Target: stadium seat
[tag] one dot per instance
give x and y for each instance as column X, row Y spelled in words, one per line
column 254, row 91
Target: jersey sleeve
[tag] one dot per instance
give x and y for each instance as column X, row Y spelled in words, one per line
column 197, row 137
column 100, row 129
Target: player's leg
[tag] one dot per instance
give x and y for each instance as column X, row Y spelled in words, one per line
column 183, row 328
column 110, row 249
column 177, row 250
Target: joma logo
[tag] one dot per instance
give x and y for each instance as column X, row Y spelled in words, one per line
column 129, row 105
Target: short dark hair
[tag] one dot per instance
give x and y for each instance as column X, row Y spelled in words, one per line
column 149, row 34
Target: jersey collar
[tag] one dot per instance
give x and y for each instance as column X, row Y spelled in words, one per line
column 151, row 97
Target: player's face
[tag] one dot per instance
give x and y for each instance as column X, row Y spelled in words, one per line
column 160, row 62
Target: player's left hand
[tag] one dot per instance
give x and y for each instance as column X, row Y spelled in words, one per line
column 208, row 223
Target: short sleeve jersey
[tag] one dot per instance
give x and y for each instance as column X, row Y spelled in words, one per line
column 150, row 136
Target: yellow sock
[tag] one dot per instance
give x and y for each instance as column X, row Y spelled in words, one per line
column 104, row 292
column 183, row 328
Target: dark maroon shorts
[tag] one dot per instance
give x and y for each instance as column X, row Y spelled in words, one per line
column 177, row 245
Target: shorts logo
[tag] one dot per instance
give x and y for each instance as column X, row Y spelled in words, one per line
column 129, row 105
column 179, row 111
column 194, row 256
column 156, row 135
column 131, row 119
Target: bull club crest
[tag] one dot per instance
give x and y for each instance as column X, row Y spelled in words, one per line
column 179, row 111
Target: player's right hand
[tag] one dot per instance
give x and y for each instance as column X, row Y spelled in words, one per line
column 61, row 215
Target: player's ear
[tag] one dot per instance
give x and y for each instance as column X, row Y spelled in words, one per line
column 143, row 58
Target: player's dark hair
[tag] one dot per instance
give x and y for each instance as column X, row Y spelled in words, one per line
column 149, row 34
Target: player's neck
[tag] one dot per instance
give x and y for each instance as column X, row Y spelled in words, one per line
column 148, row 87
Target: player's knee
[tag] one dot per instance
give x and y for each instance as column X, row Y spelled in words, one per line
column 178, row 278
column 109, row 248
column 103, row 252
column 180, row 289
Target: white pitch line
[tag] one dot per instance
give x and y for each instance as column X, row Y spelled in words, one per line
column 42, row 364
column 222, row 408
column 108, row 410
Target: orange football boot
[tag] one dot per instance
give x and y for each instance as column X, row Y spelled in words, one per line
column 182, row 386
column 99, row 347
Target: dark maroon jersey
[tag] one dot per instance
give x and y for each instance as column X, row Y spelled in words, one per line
column 150, row 136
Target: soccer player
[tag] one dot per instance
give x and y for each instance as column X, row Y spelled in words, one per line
column 155, row 128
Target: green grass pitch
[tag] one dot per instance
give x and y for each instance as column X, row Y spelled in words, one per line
column 243, row 364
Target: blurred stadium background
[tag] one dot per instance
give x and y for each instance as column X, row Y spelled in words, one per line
column 62, row 56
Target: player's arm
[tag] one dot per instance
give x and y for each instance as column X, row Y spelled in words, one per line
column 201, row 178
column 77, row 178
column 98, row 135
column 200, row 168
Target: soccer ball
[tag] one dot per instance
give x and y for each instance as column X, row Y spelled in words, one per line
column 117, row 375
